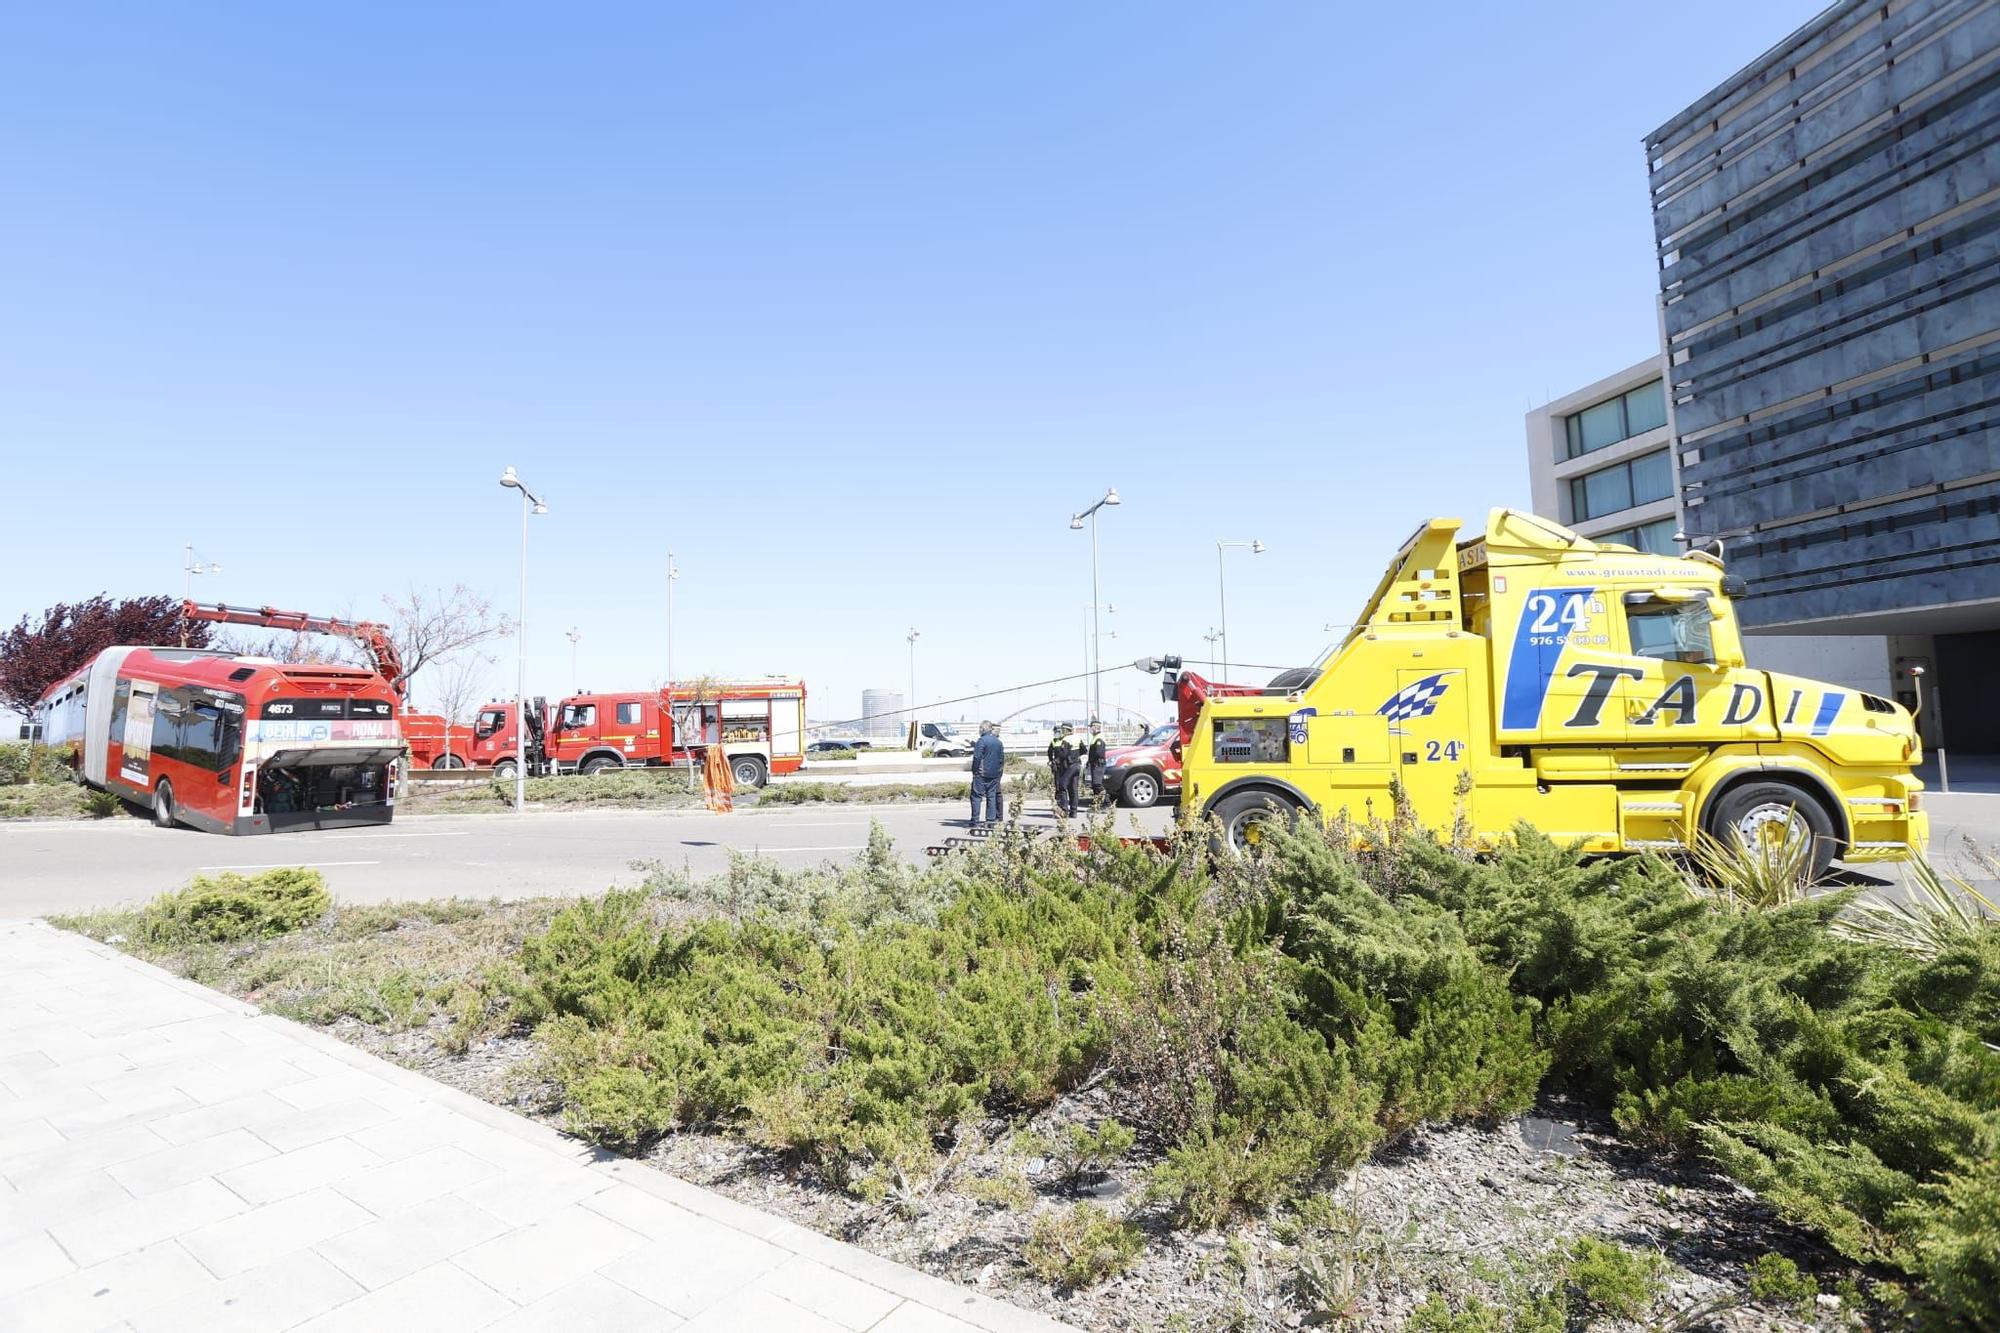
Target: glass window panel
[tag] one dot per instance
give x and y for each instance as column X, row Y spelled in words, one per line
column 1652, row 477
column 1645, row 408
column 1573, row 432
column 1606, row 492
column 628, row 715
column 1603, row 424
column 1672, row 632
column 1657, row 538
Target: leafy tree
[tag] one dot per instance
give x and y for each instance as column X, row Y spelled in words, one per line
column 40, row 651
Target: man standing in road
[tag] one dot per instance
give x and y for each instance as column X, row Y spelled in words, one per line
column 1093, row 763
column 1065, row 759
column 989, row 760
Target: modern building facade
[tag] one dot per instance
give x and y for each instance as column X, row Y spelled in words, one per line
column 1828, row 228
column 1600, row 460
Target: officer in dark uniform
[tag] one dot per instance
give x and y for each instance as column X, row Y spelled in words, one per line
column 1093, row 762
column 1065, row 765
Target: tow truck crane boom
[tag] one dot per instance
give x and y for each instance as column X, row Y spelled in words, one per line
column 373, row 636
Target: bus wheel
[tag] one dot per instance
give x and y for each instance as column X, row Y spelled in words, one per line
column 598, row 763
column 1248, row 817
column 1776, row 819
column 504, row 769
column 748, row 770
column 163, row 804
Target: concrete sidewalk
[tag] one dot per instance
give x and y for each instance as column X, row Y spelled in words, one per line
column 171, row 1158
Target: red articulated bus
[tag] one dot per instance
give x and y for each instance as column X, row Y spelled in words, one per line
column 231, row 744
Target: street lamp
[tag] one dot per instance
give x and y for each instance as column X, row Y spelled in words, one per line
column 1222, row 596
column 530, row 504
column 1096, row 649
column 673, row 577
column 913, row 636
column 191, row 567
column 574, row 635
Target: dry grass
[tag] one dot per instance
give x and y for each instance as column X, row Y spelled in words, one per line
column 438, row 966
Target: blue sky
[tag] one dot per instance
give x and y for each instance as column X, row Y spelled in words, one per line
column 850, row 306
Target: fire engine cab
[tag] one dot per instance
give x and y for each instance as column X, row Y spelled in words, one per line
column 1525, row 673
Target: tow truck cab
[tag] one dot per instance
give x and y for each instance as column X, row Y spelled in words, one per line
column 1597, row 692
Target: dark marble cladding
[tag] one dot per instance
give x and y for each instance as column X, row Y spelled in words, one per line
column 1918, row 96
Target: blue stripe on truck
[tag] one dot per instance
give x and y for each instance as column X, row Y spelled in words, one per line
column 1829, row 708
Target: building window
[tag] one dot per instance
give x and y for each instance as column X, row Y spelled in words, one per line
column 1642, row 480
column 1655, row 538
column 1606, row 423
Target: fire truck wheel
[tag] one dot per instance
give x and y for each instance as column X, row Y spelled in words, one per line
column 1247, row 816
column 163, row 804
column 504, row 769
column 447, row 761
column 748, row 770
column 598, row 763
column 1770, row 816
column 1141, row 789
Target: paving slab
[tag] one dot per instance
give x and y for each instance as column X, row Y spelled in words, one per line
column 172, row 1158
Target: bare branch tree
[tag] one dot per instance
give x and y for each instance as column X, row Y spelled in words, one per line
column 432, row 624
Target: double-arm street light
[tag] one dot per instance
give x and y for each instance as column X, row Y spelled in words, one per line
column 191, row 567
column 1096, row 650
column 1222, row 596
column 530, row 504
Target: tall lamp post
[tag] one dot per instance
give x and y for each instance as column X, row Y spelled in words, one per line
column 1222, row 596
column 912, row 637
column 191, row 567
column 575, row 636
column 1096, row 649
column 530, row 504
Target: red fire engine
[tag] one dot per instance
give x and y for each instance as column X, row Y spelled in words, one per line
column 760, row 725
column 434, row 741
column 230, row 744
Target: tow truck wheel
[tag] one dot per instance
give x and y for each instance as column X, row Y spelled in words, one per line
column 163, row 804
column 1140, row 791
column 598, row 763
column 748, row 770
column 1248, row 817
column 1775, row 818
column 504, row 769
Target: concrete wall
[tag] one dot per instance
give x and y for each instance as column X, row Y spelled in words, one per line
column 1858, row 661
column 1828, row 225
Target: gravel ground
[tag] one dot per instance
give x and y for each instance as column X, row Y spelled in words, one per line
column 1463, row 1211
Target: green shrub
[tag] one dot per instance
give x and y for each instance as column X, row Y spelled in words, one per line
column 101, row 804
column 230, row 906
column 22, row 763
column 1776, row 1279
column 1083, row 1155
column 1609, row 1279
column 1080, row 1246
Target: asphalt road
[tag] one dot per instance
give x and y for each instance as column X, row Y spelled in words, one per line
column 67, row 867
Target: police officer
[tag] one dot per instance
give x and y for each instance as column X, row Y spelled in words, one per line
column 1065, row 764
column 1093, row 762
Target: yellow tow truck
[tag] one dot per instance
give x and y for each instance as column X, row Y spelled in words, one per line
column 1596, row 692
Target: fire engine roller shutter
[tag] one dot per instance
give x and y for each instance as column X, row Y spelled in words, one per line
column 746, row 707
column 787, row 723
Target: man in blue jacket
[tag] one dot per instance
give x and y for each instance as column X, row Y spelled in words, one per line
column 989, row 760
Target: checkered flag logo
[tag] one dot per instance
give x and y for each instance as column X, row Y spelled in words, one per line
column 1417, row 699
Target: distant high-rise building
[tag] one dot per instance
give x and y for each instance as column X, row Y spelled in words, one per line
column 882, row 715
